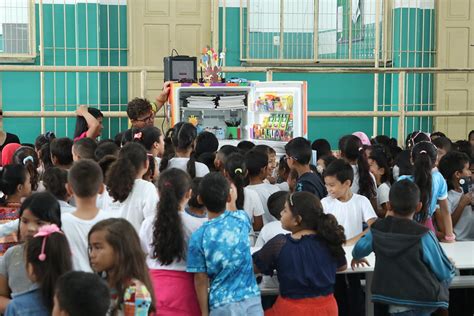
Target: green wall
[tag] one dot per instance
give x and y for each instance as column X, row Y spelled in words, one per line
column 97, row 44
column 352, row 92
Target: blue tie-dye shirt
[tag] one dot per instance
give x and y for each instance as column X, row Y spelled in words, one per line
column 220, row 248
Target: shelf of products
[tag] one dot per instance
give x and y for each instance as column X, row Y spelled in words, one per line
column 274, row 126
column 273, row 102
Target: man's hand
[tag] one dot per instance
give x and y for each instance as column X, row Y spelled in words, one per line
column 163, row 97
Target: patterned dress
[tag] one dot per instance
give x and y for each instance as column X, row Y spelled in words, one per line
column 8, row 213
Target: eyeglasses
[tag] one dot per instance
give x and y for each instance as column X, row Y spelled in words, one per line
column 147, row 119
column 286, row 157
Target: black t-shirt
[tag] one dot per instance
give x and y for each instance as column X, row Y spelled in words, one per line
column 311, row 182
column 11, row 138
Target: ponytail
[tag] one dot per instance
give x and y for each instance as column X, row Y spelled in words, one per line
column 11, row 176
column 168, row 240
column 236, row 171
column 424, row 156
column 132, row 158
column 191, row 166
column 309, row 208
column 169, row 147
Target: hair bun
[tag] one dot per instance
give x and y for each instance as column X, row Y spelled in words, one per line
column 238, row 171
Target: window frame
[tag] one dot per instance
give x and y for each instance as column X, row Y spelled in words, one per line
column 31, row 55
column 385, row 39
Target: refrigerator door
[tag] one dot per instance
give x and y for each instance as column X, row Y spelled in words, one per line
column 278, row 111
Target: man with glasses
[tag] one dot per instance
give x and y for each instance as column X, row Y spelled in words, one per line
column 142, row 113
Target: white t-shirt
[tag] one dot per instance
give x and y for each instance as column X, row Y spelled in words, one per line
column 355, row 183
column 181, row 163
column 464, row 228
column 350, row 214
column 190, row 224
column 269, row 231
column 140, row 204
column 264, row 190
column 383, row 193
column 284, row 186
column 66, row 207
column 252, row 204
column 77, row 231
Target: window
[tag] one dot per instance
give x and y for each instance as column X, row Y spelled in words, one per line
column 17, row 40
column 284, row 30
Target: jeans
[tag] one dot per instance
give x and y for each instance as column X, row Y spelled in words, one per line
column 251, row 306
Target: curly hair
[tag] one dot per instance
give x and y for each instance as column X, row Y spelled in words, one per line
column 138, row 107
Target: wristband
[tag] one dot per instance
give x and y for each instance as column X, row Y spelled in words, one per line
column 450, row 237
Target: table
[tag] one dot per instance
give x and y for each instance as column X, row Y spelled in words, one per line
column 461, row 253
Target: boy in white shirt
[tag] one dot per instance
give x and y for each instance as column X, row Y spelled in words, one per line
column 84, row 183
column 350, row 210
column 257, row 164
column 276, row 204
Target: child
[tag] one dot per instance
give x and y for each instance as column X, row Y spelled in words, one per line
column 88, row 123
column 152, row 139
column 245, row 146
column 322, row 147
column 411, row 271
column 84, row 182
column 219, row 252
column 433, row 189
column 15, row 185
column 235, row 170
column 257, row 165
column 114, row 248
column 106, row 148
column 206, row 142
column 353, row 152
column 27, row 157
column 165, row 239
column 306, row 260
column 7, row 153
column 272, row 163
column 47, row 257
column 81, row 293
column 323, row 162
column 61, row 152
column 84, row 148
column 183, row 140
column 221, row 156
column 195, row 208
column 350, row 209
column 444, row 146
column 298, row 157
column 37, row 210
column 454, row 166
column 276, row 204
column 55, row 180
column 380, row 169
column 133, row 198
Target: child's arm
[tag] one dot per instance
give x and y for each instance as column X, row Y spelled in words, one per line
column 362, row 249
column 201, row 284
column 4, row 293
column 436, row 259
column 354, row 239
column 463, row 202
column 93, row 124
column 257, row 223
column 447, row 224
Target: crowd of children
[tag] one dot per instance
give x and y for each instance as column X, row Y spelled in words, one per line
column 154, row 223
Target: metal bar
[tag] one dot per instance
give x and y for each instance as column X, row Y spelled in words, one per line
column 282, row 26
column 315, row 30
column 269, row 75
column 11, row 114
column 401, row 108
column 143, row 88
column 248, row 29
column 41, row 35
column 241, row 23
column 131, row 69
column 350, row 29
column 376, row 65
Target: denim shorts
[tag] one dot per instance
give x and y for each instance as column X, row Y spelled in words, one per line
column 251, row 306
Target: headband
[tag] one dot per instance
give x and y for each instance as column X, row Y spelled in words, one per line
column 45, row 231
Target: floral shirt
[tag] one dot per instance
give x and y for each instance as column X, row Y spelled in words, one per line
column 136, row 300
column 8, row 213
column 220, row 248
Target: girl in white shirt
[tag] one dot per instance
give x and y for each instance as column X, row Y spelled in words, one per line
column 131, row 197
column 164, row 240
column 179, row 147
column 379, row 167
